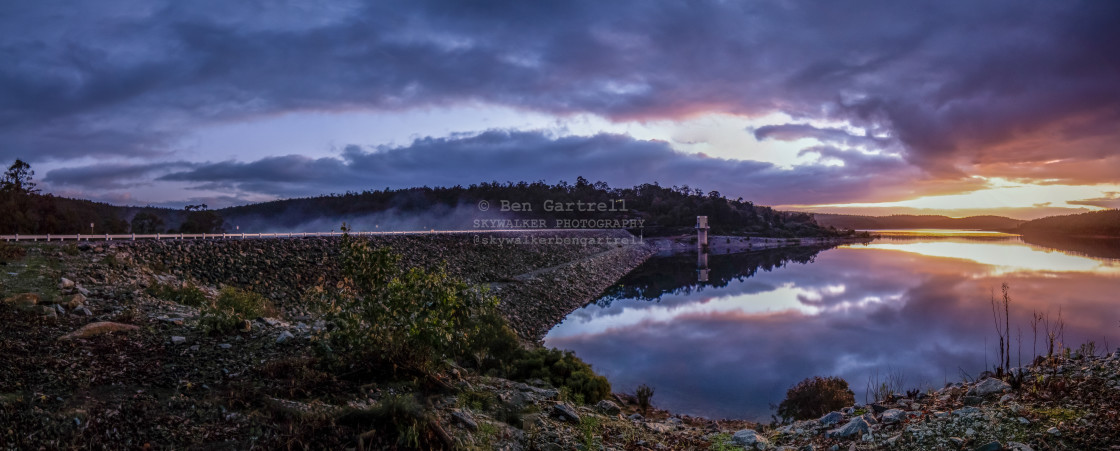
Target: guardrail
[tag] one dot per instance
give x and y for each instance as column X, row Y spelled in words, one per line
column 228, row 236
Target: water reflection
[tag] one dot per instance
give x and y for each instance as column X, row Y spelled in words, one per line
column 732, row 345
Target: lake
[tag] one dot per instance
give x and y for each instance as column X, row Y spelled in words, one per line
column 915, row 308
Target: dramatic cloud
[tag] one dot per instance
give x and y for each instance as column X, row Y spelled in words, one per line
column 512, row 156
column 956, row 88
column 111, row 176
column 791, row 132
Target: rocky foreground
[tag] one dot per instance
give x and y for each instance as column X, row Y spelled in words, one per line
column 92, row 360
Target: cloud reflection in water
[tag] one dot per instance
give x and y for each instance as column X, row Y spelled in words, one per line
column 731, row 349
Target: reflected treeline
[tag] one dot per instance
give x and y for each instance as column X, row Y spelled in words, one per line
column 677, row 274
column 1084, row 246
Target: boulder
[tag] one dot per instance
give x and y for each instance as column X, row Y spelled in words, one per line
column 892, row 416
column 99, row 328
column 75, row 301
column 856, row 427
column 65, row 284
column 565, row 412
column 831, row 418
column 749, row 439
column 464, row 419
column 177, row 340
column 83, row 311
column 965, row 411
column 284, row 336
column 990, row 446
column 988, row 386
column 607, row 407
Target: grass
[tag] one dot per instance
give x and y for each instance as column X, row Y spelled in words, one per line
column 187, row 294
column 1057, row 414
column 33, row 271
column 589, row 432
column 477, row 400
column 232, row 308
column 722, row 442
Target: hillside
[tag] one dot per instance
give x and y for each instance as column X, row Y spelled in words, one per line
column 659, row 211
column 858, row 222
column 1097, row 223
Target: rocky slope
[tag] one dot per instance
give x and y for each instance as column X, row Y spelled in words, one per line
column 92, row 360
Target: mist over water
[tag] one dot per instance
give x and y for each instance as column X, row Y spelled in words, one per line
column 915, row 307
column 436, row 216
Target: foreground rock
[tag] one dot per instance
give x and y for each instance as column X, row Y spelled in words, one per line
column 100, row 328
column 750, row 439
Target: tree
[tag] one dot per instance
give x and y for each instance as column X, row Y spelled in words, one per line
column 147, row 222
column 201, row 221
column 18, row 179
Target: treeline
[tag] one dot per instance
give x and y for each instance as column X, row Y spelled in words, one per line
column 40, row 214
column 25, row 210
column 665, row 210
column 1097, row 223
column 859, row 222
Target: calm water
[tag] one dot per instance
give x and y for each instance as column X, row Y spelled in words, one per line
column 916, row 307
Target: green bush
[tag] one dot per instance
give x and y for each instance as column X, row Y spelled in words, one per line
column 232, row 309
column 382, row 318
column 814, row 397
column 563, row 370
column 412, row 319
column 187, row 294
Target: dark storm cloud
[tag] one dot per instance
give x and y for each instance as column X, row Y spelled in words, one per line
column 111, row 176
column 511, row 156
column 948, row 82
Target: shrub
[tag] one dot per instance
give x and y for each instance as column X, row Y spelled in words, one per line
column 814, row 397
column 644, row 394
column 232, row 308
column 412, row 319
column 383, row 319
column 563, row 370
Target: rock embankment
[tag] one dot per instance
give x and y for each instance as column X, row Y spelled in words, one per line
column 540, row 277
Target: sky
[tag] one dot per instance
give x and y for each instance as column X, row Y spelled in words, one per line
column 866, row 107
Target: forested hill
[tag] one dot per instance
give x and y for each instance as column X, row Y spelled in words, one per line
column 1097, row 223
column 916, row 222
column 662, row 210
